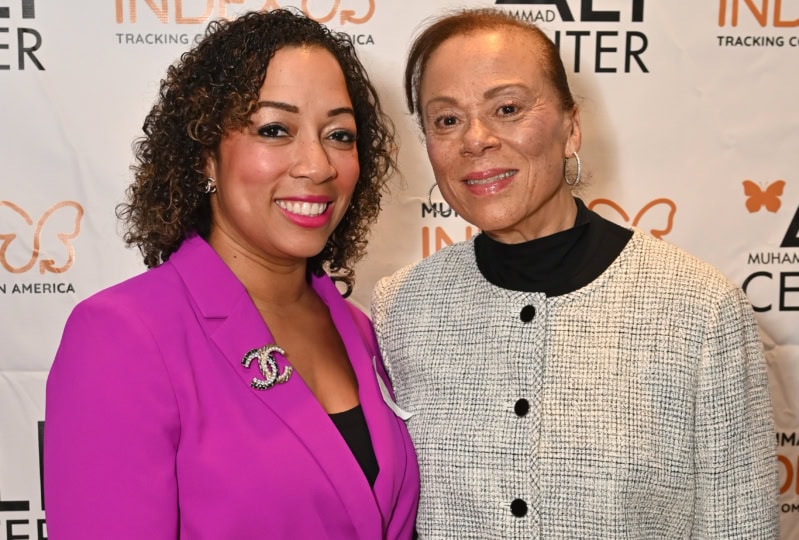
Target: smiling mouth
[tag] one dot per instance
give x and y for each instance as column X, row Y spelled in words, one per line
column 307, row 209
column 480, row 181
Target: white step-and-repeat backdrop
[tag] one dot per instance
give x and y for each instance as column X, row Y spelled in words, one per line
column 690, row 131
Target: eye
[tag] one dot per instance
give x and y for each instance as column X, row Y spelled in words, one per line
column 445, row 121
column 273, row 131
column 343, row 136
column 508, row 109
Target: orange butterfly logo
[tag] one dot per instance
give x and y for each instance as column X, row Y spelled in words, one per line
column 656, row 217
column 62, row 216
column 757, row 197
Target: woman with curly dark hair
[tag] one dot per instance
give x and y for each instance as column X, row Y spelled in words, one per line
column 230, row 391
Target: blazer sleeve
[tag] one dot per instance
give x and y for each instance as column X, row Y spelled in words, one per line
column 111, row 430
column 737, row 488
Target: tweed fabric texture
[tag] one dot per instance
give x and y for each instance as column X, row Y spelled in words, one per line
column 649, row 413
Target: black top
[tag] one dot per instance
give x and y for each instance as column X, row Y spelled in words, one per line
column 353, row 428
column 556, row 264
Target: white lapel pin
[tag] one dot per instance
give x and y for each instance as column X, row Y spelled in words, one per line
column 399, row 411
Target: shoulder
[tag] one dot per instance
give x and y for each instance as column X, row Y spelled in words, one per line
column 123, row 327
column 357, row 314
column 671, row 265
column 666, row 279
column 148, row 299
column 444, row 266
column 407, row 296
column 152, row 281
column 326, row 287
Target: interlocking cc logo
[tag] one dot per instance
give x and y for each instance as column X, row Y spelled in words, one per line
column 656, row 217
column 268, row 367
column 68, row 212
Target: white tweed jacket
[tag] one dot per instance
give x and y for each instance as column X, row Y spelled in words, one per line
column 634, row 407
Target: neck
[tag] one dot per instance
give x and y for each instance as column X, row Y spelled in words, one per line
column 270, row 283
column 554, row 215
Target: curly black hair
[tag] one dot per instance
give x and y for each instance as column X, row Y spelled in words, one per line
column 214, row 88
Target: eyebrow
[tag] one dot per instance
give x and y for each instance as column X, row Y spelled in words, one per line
column 488, row 94
column 279, row 105
column 499, row 89
column 294, row 109
column 340, row 110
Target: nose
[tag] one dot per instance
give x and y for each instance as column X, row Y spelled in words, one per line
column 312, row 162
column 478, row 138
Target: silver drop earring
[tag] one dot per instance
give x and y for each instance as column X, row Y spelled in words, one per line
column 430, row 194
column 579, row 171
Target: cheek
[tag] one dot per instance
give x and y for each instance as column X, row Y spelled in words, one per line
column 349, row 169
column 529, row 142
column 351, row 164
column 439, row 152
column 254, row 166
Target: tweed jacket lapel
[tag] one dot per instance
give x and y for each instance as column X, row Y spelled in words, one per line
column 235, row 326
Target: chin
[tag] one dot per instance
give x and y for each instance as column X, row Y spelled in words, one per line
column 311, row 253
column 487, row 222
column 301, row 251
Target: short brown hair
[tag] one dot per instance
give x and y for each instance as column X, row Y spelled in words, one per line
column 472, row 20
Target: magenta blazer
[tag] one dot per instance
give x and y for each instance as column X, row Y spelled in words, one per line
column 153, row 431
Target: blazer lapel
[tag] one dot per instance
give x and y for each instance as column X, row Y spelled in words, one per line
column 236, row 327
column 389, row 446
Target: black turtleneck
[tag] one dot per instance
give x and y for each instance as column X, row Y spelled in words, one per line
column 556, row 264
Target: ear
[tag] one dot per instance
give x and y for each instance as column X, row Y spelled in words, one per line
column 210, row 167
column 575, row 134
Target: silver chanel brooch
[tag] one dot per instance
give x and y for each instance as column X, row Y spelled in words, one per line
column 268, row 367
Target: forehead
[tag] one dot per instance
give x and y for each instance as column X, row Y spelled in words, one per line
column 502, row 53
column 296, row 57
column 303, row 66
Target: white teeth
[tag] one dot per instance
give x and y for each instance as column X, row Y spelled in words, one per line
column 303, row 208
column 490, row 179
